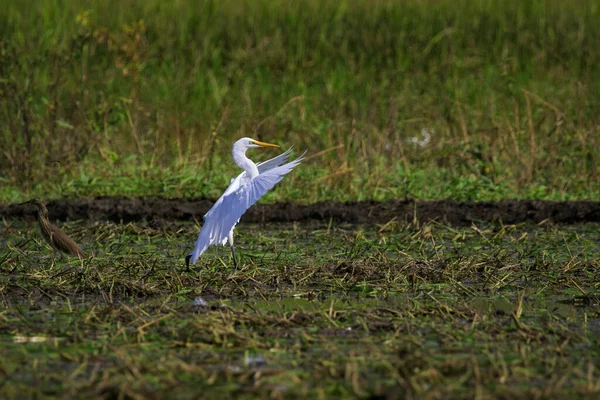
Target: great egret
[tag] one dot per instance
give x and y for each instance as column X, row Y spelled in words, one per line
column 242, row 193
column 53, row 235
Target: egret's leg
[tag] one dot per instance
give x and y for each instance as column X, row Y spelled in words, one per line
column 230, row 240
column 235, row 264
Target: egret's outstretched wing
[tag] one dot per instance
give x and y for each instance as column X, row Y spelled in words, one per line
column 233, row 186
column 274, row 162
column 223, row 217
column 262, row 168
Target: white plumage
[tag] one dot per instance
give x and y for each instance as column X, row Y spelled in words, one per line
column 242, row 193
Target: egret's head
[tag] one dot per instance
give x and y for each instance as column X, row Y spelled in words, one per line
column 248, row 143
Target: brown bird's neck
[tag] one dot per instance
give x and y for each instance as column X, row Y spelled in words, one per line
column 42, row 214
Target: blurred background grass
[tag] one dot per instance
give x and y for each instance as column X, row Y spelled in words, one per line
column 463, row 99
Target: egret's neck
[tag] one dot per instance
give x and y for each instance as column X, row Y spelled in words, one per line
column 239, row 157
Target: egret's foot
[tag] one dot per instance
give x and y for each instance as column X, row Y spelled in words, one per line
column 187, row 262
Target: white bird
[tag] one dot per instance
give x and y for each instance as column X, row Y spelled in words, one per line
column 242, row 193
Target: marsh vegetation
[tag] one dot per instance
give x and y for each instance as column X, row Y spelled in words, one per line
column 426, row 99
column 317, row 310
column 418, row 99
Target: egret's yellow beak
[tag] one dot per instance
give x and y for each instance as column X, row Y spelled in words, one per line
column 263, row 144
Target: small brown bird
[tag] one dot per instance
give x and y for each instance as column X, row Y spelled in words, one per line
column 53, row 235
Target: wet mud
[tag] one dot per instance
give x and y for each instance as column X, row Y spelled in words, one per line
column 449, row 212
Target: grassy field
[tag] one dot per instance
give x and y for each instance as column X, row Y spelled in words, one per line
column 463, row 99
column 317, row 311
column 425, row 99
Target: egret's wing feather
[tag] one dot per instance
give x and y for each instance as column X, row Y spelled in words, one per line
column 223, row 217
column 274, row 162
column 233, row 186
column 236, row 204
column 262, row 168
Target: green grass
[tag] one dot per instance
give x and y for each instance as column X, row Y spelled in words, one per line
column 145, row 98
column 427, row 311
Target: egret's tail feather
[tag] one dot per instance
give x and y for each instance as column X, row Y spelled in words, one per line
column 195, row 255
column 200, row 247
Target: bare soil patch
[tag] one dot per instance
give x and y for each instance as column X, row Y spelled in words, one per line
column 447, row 211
